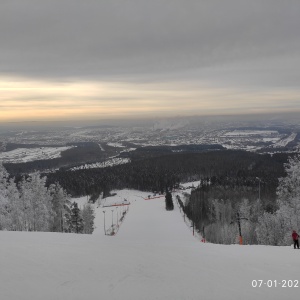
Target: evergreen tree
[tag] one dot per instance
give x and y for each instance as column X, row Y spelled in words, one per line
column 75, row 221
column 88, row 217
column 169, row 201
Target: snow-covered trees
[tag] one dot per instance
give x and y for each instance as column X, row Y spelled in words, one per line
column 26, row 207
column 15, row 219
column 37, row 207
column 4, row 202
column 288, row 194
column 219, row 227
column 276, row 228
column 271, row 229
column 31, row 206
column 214, row 211
column 61, row 208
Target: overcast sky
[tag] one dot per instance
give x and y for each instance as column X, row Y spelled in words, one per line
column 97, row 59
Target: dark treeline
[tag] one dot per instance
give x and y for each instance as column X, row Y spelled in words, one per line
column 230, row 170
column 156, row 151
column 260, row 210
column 90, row 152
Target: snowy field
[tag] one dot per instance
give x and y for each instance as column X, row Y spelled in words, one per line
column 153, row 256
column 285, row 141
column 22, row 155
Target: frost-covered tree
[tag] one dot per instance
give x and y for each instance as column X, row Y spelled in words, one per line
column 4, row 201
column 271, row 229
column 221, row 230
column 31, row 206
column 224, row 217
column 289, row 186
column 288, row 193
column 61, row 208
column 36, row 203
column 276, row 228
column 88, row 217
column 15, row 207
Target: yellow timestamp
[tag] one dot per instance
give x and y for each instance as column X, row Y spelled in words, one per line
column 257, row 283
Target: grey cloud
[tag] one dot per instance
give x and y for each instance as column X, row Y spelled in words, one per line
column 140, row 39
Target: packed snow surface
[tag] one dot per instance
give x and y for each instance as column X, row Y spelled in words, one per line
column 153, row 256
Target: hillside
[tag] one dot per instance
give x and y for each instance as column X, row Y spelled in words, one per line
column 152, row 256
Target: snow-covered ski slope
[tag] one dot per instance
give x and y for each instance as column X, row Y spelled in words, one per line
column 153, row 256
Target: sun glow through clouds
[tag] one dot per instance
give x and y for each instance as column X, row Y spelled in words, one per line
column 22, row 99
